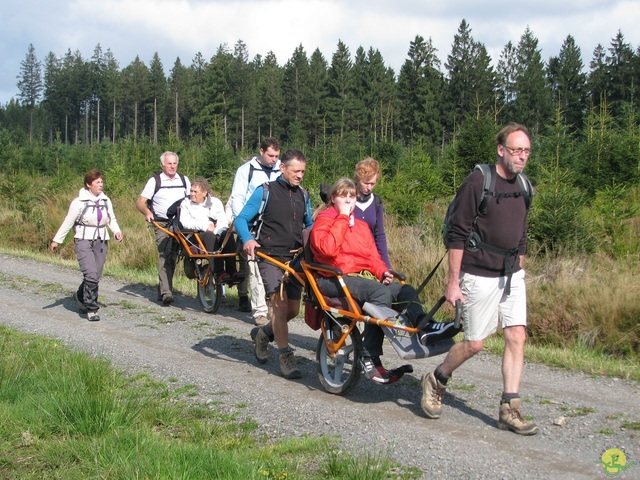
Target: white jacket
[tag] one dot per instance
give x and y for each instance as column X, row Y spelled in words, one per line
column 198, row 216
column 83, row 218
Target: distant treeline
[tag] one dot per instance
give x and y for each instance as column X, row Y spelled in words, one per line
column 309, row 99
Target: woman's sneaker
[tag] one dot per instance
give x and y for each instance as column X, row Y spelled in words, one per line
column 373, row 369
column 93, row 316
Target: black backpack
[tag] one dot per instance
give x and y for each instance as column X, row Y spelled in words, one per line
column 156, row 177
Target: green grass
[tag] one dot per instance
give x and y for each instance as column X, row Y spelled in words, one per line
column 67, row 415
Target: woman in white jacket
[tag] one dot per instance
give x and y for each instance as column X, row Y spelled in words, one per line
column 204, row 212
column 89, row 215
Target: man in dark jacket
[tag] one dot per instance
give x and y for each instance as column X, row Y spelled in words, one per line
column 489, row 280
column 285, row 211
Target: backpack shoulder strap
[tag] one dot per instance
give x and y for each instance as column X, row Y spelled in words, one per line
column 488, row 186
column 156, row 177
column 526, row 188
column 257, row 223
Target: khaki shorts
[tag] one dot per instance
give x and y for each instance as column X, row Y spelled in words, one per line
column 485, row 304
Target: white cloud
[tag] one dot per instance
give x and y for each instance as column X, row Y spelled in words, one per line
column 182, row 28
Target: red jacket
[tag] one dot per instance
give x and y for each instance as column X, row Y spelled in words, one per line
column 349, row 248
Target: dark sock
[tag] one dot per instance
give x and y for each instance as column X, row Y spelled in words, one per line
column 268, row 330
column 441, row 376
column 284, row 350
column 507, row 397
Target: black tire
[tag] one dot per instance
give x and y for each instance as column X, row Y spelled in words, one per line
column 209, row 294
column 340, row 373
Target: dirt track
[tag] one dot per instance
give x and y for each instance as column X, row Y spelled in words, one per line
column 214, row 352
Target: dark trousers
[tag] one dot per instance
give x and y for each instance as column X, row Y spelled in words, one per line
column 167, row 257
column 212, row 243
column 91, row 255
column 394, row 295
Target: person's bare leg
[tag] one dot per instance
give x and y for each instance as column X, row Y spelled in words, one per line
column 460, row 353
column 513, row 357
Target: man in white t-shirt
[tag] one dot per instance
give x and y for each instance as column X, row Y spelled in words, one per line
column 159, row 193
column 249, row 176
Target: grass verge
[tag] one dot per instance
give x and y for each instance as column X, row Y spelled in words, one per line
column 67, row 415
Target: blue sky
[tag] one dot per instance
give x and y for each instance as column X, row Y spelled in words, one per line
column 182, row 28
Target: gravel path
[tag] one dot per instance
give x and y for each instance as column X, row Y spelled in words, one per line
column 215, row 353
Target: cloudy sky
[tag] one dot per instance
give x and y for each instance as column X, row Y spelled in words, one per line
column 181, row 28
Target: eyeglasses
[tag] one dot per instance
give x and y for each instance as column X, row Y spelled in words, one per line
column 518, row 151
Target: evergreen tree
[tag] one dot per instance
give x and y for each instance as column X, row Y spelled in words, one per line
column 157, row 108
column 568, row 84
column 243, row 93
column 178, row 83
column 340, row 88
column 30, row 84
column 316, row 123
column 621, row 82
column 296, row 93
column 219, row 87
column 420, row 85
column 269, row 98
column 598, row 78
column 380, row 97
column 507, row 72
column 134, row 98
column 197, row 96
column 532, row 105
column 471, row 86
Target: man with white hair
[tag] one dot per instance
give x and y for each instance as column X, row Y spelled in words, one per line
column 160, row 192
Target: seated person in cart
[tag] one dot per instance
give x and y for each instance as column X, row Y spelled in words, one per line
column 342, row 241
column 205, row 213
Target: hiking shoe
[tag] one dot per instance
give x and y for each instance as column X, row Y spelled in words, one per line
column 288, row 366
column 93, row 316
column 237, row 277
column 167, row 299
column 81, row 306
column 436, row 331
column 373, row 369
column 432, row 391
column 261, row 320
column 511, row 418
column 261, row 341
column 244, row 305
column 224, row 277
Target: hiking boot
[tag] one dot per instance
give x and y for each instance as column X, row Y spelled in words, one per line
column 432, row 391
column 81, row 306
column 261, row 341
column 373, row 369
column 93, row 316
column 288, row 366
column 511, row 418
column 167, row 299
column 244, row 305
column 261, row 320
column 436, row 331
